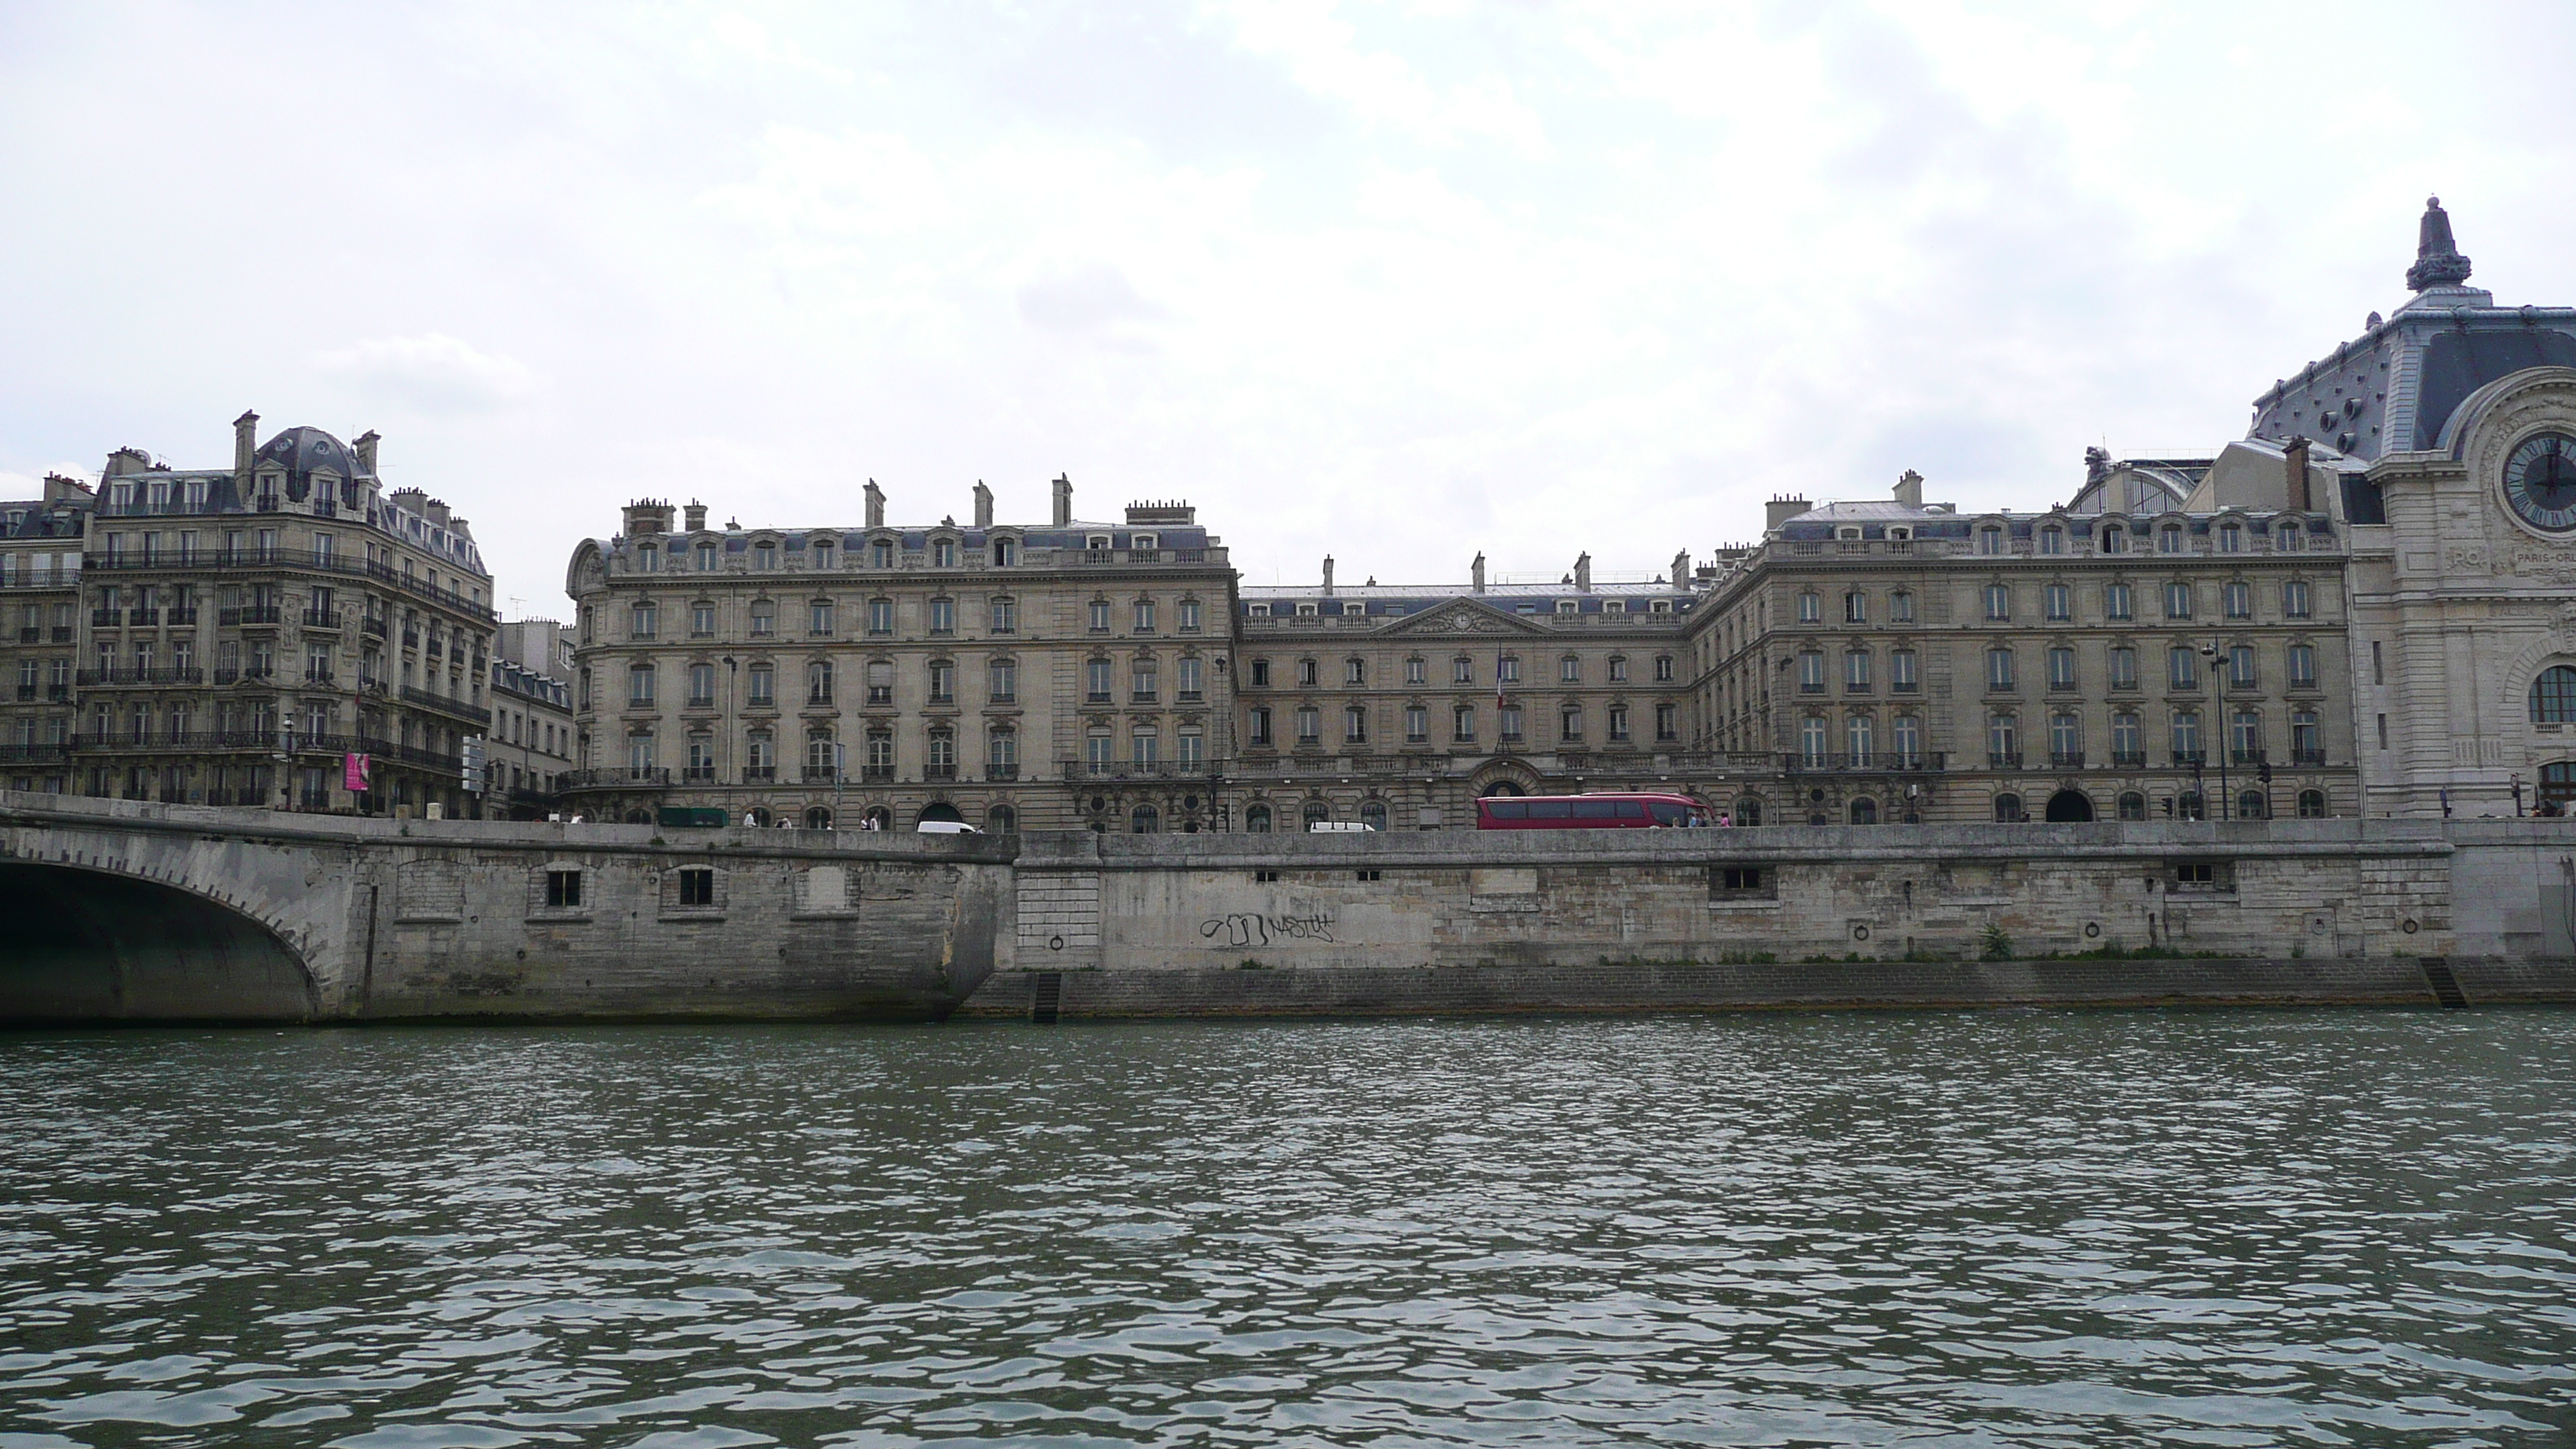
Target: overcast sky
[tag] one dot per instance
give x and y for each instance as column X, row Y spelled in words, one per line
column 1399, row 284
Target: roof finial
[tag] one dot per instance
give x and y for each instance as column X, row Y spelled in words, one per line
column 2438, row 262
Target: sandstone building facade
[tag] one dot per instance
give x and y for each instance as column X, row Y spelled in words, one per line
column 234, row 635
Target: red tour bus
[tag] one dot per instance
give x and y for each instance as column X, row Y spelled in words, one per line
column 1582, row 812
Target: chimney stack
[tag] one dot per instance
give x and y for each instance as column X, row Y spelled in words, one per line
column 1909, row 488
column 876, row 505
column 1063, row 501
column 1681, row 570
column 1780, row 510
column 1583, row 573
column 1476, row 571
column 983, row 505
column 2294, row 458
column 696, row 513
column 1328, row 573
column 366, row 446
column 245, row 443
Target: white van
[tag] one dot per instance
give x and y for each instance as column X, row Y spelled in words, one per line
column 1339, row 827
column 946, row 827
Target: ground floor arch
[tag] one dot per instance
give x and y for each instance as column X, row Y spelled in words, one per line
column 2069, row 806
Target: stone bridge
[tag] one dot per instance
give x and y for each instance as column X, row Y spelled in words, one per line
column 126, row 911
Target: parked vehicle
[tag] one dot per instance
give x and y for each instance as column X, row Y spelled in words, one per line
column 946, row 827
column 1582, row 812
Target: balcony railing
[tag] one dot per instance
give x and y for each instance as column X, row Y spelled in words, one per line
column 34, row 753
column 2185, row 759
column 1138, row 770
column 251, row 615
column 629, row 777
column 2066, row 759
column 2127, row 760
column 1875, row 761
column 321, row 618
column 2307, row 757
column 821, row 772
column 456, row 707
column 2003, row 759
column 759, row 774
column 877, row 774
column 292, row 558
column 939, row 772
column 699, row 773
column 91, row 677
column 1001, row 773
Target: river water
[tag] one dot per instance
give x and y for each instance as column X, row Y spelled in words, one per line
column 1987, row 1228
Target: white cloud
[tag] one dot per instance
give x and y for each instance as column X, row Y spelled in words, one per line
column 1395, row 282
column 433, row 372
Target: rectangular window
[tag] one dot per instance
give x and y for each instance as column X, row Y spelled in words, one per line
column 1002, row 617
column 2177, row 600
column 2115, row 601
column 2378, row 674
column 2061, row 668
column 1462, row 671
column 1191, row 679
column 1900, row 672
column 2383, row 732
column 1811, row 673
column 1999, row 669
column 2124, row 668
column 1355, row 671
column 1144, row 616
column 943, row 616
column 2182, row 668
column 702, row 621
column 2061, row 603
column 1260, row 673
column 697, row 886
column 1189, row 616
column 1004, row 681
column 1097, row 681
column 2236, row 600
column 563, row 889
column 1100, row 616
column 1261, row 726
column 2295, row 601
column 764, row 686
column 880, row 616
column 1417, row 671
column 1998, row 603
column 1417, row 725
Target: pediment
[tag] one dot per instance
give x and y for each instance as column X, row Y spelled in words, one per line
column 1465, row 616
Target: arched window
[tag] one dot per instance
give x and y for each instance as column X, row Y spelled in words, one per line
column 2008, row 809
column 1373, row 814
column 2312, row 804
column 880, row 817
column 1257, row 820
column 1144, row 821
column 1864, row 811
column 819, row 818
column 2252, row 806
column 1855, row 607
column 1811, row 607
column 2133, row 806
column 1002, row 820
column 1748, row 811
column 2553, row 695
column 1317, row 812
column 2187, row 806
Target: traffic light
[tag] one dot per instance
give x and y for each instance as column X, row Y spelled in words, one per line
column 2264, row 770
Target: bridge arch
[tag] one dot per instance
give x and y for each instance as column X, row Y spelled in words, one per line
column 89, row 943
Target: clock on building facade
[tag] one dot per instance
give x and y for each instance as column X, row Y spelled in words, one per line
column 2540, row 482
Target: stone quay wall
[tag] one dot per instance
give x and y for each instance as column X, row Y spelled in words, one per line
column 171, row 912
column 2255, row 911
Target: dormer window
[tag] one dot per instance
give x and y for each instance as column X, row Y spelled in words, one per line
column 822, row 553
column 648, row 558
column 1305, row 611
column 1143, row 541
column 1006, row 552
column 1898, row 532
column 1849, row 533
column 764, row 555
column 2169, row 539
column 881, row 553
column 943, row 553
column 2231, row 538
column 1259, row 611
column 1098, row 543
column 1990, row 540
column 706, row 558
column 1568, row 606
column 2052, row 540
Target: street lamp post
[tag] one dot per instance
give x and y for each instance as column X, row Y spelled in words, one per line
column 286, row 767
column 2218, row 691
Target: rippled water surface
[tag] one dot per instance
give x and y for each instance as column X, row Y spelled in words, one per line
column 1983, row 1228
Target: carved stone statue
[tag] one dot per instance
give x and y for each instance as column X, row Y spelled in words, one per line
column 2438, row 262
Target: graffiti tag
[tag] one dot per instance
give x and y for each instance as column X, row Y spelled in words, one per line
column 1235, row 932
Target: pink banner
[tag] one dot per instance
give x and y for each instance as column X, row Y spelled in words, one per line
column 353, row 772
